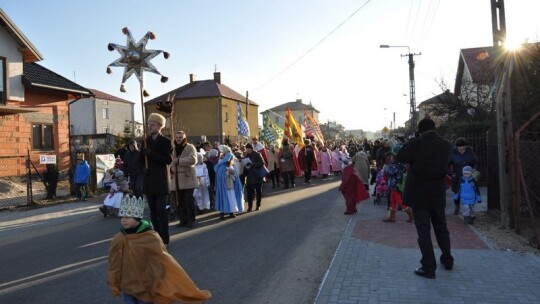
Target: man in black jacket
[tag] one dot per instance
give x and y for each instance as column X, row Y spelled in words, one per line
column 425, row 192
column 158, row 151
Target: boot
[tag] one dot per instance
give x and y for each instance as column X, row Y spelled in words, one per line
column 391, row 216
column 410, row 214
column 456, row 209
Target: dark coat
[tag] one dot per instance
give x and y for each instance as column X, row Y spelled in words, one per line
column 156, row 178
column 257, row 161
column 425, row 187
column 457, row 162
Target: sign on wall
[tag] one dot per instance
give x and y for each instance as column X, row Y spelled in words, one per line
column 47, row 159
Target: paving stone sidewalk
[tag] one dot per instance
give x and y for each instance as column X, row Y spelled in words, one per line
column 375, row 262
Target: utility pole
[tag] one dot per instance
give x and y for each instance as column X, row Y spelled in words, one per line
column 503, row 103
column 412, row 89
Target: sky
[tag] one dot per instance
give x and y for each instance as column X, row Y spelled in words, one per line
column 325, row 52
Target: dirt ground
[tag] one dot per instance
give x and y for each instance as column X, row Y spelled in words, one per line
column 501, row 238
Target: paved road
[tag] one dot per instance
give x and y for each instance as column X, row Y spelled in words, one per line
column 277, row 255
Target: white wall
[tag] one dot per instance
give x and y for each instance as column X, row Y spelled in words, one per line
column 82, row 117
column 8, row 49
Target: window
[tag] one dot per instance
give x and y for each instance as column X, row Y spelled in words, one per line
column 42, row 137
column 226, row 116
column 3, row 80
column 278, row 120
column 105, row 113
column 106, row 130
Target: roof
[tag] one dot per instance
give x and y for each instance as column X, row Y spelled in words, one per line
column 36, row 76
column 103, row 95
column 446, row 95
column 480, row 62
column 201, row 89
column 28, row 50
column 294, row 106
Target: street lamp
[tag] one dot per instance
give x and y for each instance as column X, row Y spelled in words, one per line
column 412, row 90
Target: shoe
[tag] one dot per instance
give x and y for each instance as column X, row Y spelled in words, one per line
column 181, row 224
column 222, row 216
column 102, row 209
column 447, row 266
column 189, row 225
column 423, row 273
column 349, row 212
column 258, row 208
column 248, row 209
column 232, row 215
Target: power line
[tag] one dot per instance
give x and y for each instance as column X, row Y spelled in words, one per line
column 313, row 47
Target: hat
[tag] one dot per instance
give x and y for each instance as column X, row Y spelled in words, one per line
column 224, row 149
column 131, row 206
column 157, row 118
column 213, row 153
column 426, row 124
column 467, row 169
column 461, row 142
column 118, row 173
column 80, row 156
column 249, row 146
column 395, row 149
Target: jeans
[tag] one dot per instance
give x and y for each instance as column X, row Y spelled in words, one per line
column 128, row 299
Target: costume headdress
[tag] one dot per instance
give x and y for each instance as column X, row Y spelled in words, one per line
column 158, row 118
column 131, row 206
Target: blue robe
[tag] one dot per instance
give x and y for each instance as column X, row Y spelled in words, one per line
column 222, row 200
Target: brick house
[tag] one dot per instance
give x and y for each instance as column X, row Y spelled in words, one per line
column 34, row 104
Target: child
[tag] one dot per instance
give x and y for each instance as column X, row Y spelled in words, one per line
column 352, row 188
column 395, row 172
column 201, row 195
column 141, row 268
column 81, row 177
column 468, row 195
column 119, row 187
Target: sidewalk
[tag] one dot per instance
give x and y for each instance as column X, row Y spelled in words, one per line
column 375, row 263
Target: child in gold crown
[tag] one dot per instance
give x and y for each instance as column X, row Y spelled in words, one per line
column 141, row 268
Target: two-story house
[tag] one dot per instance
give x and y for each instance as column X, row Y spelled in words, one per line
column 277, row 114
column 207, row 110
column 34, row 103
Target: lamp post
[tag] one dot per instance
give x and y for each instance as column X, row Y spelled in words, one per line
column 412, row 90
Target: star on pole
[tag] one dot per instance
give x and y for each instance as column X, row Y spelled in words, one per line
column 135, row 59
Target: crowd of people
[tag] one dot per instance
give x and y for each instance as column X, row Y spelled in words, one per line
column 183, row 180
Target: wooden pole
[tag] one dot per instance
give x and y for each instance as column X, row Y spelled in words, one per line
column 144, row 124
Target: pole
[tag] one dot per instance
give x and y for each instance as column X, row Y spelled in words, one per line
column 412, row 90
column 144, row 124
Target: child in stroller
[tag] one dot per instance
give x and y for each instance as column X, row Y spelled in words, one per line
column 381, row 187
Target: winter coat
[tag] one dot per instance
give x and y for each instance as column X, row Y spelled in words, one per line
column 457, row 161
column 183, row 168
column 133, row 163
column 286, row 158
column 273, row 160
column 468, row 193
column 427, row 156
column 257, row 161
column 394, row 171
column 156, row 177
column 308, row 153
column 82, row 173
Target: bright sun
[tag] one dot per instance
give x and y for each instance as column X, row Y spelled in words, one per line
column 512, row 44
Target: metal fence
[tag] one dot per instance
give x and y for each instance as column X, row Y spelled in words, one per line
column 25, row 188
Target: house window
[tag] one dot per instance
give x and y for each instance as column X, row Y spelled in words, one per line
column 105, row 113
column 3, row 80
column 278, row 120
column 226, row 116
column 106, row 130
column 42, row 137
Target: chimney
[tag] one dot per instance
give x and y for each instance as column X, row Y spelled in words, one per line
column 217, row 77
column 192, row 78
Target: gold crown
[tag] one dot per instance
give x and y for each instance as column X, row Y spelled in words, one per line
column 131, row 207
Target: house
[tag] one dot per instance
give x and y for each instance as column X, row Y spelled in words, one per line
column 476, row 72
column 101, row 113
column 428, row 108
column 277, row 114
column 206, row 110
column 34, row 103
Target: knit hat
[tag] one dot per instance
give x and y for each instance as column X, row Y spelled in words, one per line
column 467, row 169
column 118, row 173
column 131, row 206
column 157, row 118
column 426, row 124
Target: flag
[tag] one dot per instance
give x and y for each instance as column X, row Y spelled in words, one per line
column 292, row 129
column 312, row 128
column 243, row 127
column 271, row 132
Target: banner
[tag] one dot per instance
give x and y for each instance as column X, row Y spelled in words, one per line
column 292, row 129
column 243, row 127
column 271, row 133
column 312, row 128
